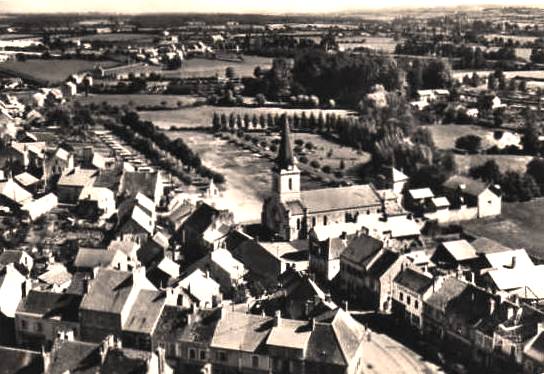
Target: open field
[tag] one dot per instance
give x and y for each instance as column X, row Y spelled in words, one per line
column 535, row 74
column 139, row 100
column 50, row 71
column 16, row 36
column 201, row 116
column 520, row 226
column 521, row 39
column 378, row 43
column 202, row 67
column 444, row 136
column 115, row 37
column 505, row 162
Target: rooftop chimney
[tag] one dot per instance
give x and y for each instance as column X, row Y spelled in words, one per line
column 277, row 318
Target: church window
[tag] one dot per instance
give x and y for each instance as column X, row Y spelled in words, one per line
column 290, row 184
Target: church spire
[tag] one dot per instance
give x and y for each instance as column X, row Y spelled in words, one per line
column 285, row 158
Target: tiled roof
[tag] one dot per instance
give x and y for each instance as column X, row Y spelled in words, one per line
column 362, row 250
column 14, row 192
column 11, row 256
column 26, row 179
column 74, row 357
column 324, row 232
column 421, row 193
column 414, row 280
column 535, row 348
column 510, row 259
column 77, row 178
column 174, row 324
column 126, row 246
column 290, row 333
column 241, row 331
column 91, row 258
column 138, row 181
column 16, row 360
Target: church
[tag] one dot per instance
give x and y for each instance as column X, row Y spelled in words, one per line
column 289, row 213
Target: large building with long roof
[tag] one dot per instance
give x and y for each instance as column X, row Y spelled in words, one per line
column 290, row 213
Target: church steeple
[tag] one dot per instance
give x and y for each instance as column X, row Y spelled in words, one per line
column 286, row 176
column 285, row 159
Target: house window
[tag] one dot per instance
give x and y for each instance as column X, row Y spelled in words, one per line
column 221, row 356
column 23, row 324
column 298, row 223
column 39, row 327
column 401, row 296
column 408, row 300
column 202, row 355
column 290, row 184
column 255, row 361
column 324, row 220
column 192, row 354
column 313, row 221
column 416, row 304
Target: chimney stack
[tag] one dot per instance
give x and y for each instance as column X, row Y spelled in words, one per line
column 277, row 318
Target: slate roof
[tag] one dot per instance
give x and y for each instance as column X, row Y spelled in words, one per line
column 126, row 361
column 473, row 187
column 241, row 331
column 173, row 325
column 324, row 232
column 451, row 288
column 51, row 304
column 138, row 181
column 414, row 280
column 421, row 193
column 75, row 357
column 109, row 291
column 201, row 218
column 535, row 348
column 460, row 250
column 77, row 178
column 126, row 246
column 11, row 256
column 362, row 250
column 14, row 192
column 290, row 334
column 91, row 258
column 20, row 361
column 340, row 198
column 26, row 179
column 383, row 263
column 335, row 339
column 145, row 312
column 285, row 158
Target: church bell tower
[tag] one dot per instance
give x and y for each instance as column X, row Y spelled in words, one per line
column 286, row 177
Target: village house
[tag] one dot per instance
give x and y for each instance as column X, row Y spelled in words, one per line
column 456, row 254
column 148, row 183
column 411, row 287
column 204, row 231
column 72, row 183
column 13, row 197
column 39, row 207
column 87, row 259
column 326, row 244
column 59, row 163
column 42, row 314
column 20, row 259
column 367, row 271
column 14, row 286
column 96, row 202
column 477, row 199
column 202, row 288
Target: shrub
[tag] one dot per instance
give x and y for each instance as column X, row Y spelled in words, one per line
column 471, row 143
column 315, row 164
column 303, row 159
column 326, row 169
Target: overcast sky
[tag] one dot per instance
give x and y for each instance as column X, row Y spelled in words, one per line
column 230, row 6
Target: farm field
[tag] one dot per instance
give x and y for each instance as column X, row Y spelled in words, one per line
column 201, row 116
column 520, row 226
column 139, row 100
column 536, row 74
column 444, row 136
column 202, row 67
column 505, row 162
column 115, row 37
column 50, row 71
column 378, row 43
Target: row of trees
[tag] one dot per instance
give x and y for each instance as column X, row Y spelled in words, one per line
column 151, row 135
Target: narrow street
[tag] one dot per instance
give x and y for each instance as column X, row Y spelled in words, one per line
column 385, row 355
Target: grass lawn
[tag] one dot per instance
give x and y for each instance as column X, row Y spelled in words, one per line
column 444, row 136
column 202, row 67
column 139, row 100
column 520, row 226
column 201, row 116
column 50, row 71
column 505, row 162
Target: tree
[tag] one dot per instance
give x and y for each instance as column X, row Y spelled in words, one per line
column 535, row 168
column 230, row 73
column 530, row 138
column 415, row 78
column 488, row 172
column 523, row 85
column 437, row 74
column 471, row 143
column 492, row 82
column 537, row 55
column 260, row 99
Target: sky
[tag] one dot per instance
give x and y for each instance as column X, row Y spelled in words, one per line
column 231, row 6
